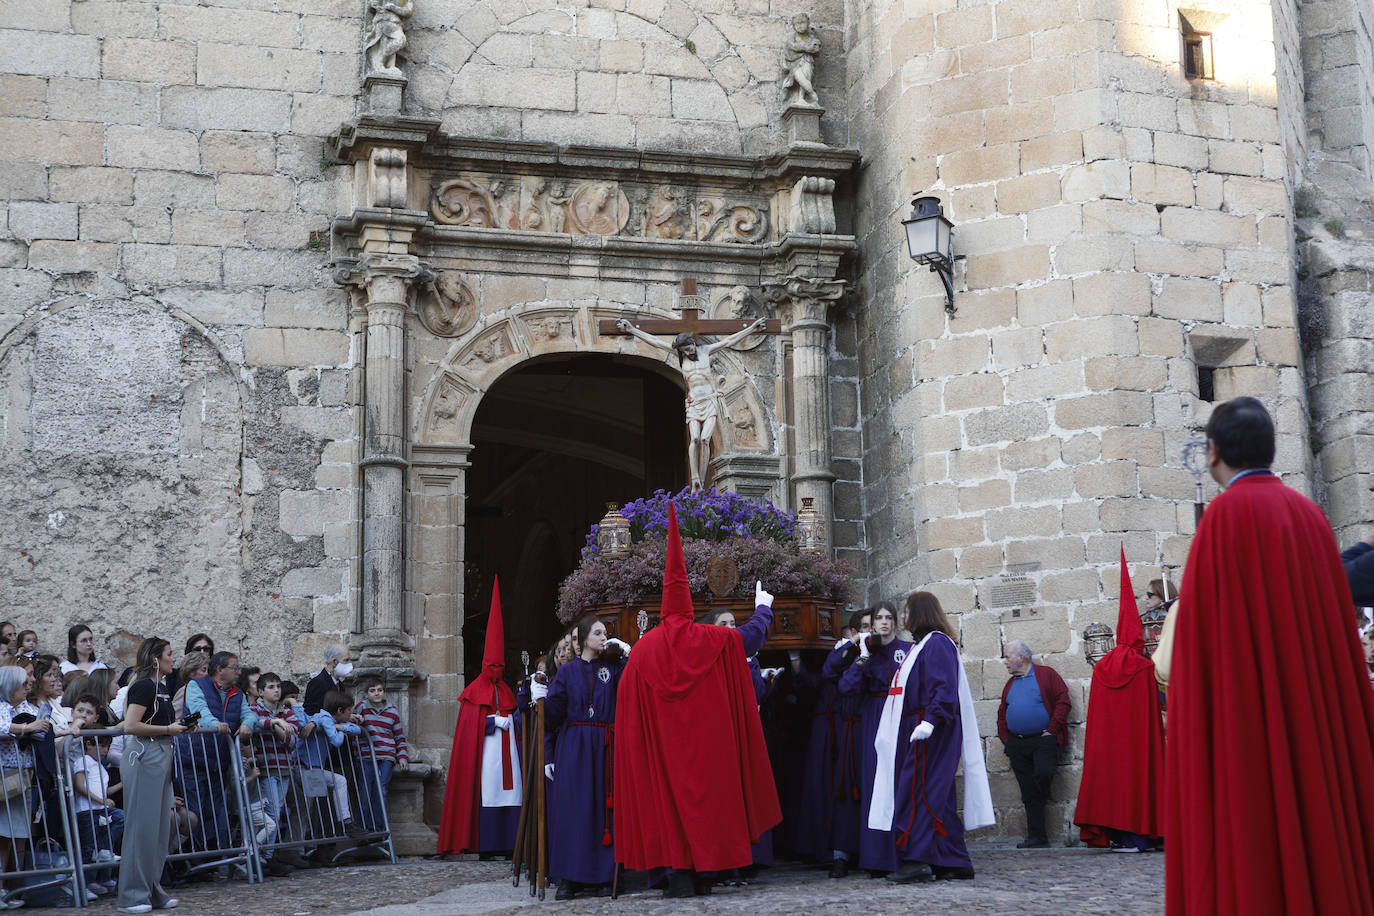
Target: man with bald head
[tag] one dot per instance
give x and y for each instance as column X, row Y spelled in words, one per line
column 1033, row 723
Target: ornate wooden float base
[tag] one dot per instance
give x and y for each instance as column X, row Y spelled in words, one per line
column 798, row 622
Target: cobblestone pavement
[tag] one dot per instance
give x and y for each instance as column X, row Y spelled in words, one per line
column 1051, row 881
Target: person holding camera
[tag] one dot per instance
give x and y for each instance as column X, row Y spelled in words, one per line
column 147, row 775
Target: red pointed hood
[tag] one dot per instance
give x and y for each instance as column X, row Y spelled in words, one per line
column 677, row 597
column 488, row 687
column 494, row 653
column 1119, row 666
column 677, row 653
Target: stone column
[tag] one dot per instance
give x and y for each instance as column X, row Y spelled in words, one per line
column 805, row 301
column 387, row 279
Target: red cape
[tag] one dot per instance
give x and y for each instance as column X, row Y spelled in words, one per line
column 1269, row 797
column 693, row 784
column 1123, row 748
column 487, row 695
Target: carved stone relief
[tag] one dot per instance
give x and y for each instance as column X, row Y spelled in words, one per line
column 744, row 418
column 387, row 177
column 720, row 221
column 813, row 205
column 540, row 203
column 739, row 302
column 558, row 330
column 452, row 396
column 463, row 203
column 661, row 214
column 448, row 307
column 488, row 348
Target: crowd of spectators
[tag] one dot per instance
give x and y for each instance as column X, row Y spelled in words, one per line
column 311, row 787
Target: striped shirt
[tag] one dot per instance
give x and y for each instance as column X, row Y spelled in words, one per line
column 387, row 733
column 275, row 753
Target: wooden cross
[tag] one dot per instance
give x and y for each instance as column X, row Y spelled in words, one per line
column 690, row 322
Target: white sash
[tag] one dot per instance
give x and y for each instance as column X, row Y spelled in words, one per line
column 494, row 794
column 978, row 810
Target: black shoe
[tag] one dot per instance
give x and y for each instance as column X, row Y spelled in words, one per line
column 912, row 872
column 680, row 884
column 701, row 886
column 877, row 873
column 839, row 868
column 1033, row 844
column 353, row 830
column 292, row 857
column 276, row 869
column 954, row 872
column 566, row 891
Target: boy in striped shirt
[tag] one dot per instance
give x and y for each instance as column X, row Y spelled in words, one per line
column 383, row 724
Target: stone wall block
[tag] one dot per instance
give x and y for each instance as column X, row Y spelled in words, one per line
column 73, row 257
column 951, row 532
column 1104, row 410
column 49, row 54
column 1096, row 180
column 1189, row 299
column 294, row 347
column 148, row 60
column 31, row 220
column 52, row 142
column 134, row 146
column 1115, row 334
column 197, row 108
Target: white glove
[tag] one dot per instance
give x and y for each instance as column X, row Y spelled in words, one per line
column 863, row 647
column 502, row 722
column 624, row 646
column 840, row 644
column 761, row 597
column 538, row 691
column 770, row 673
column 548, row 771
column 922, row 731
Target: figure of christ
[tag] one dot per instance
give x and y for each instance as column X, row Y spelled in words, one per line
column 703, row 396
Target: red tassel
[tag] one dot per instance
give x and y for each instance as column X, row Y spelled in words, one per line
column 606, row 837
column 610, row 801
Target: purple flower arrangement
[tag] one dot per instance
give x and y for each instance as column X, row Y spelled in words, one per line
column 757, row 535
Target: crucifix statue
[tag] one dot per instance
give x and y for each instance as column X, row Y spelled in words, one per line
column 694, row 362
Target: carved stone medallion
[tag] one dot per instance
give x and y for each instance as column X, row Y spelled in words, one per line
column 449, row 307
column 722, row 575
column 599, row 208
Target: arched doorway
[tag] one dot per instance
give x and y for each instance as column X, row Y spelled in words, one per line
column 553, row 442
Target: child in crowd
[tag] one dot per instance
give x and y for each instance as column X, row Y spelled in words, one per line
column 383, row 724
column 332, row 723
column 281, row 724
column 248, row 683
column 28, row 644
column 99, row 820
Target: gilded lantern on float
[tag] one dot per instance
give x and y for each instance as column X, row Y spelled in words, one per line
column 1098, row 640
column 613, row 533
column 810, row 528
column 1153, row 622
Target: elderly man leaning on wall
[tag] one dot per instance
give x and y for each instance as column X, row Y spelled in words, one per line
column 1033, row 723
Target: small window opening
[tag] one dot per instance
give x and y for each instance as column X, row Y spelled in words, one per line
column 1206, row 384
column 1197, row 55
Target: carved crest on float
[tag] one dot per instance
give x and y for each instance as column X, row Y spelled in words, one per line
column 448, row 307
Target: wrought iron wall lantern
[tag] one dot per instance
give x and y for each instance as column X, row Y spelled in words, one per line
column 930, row 241
column 1098, row 640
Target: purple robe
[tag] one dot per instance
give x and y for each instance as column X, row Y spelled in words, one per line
column 828, row 817
column 869, row 681
column 755, row 633
column 581, row 845
column 926, row 823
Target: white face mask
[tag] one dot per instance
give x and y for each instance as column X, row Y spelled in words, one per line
column 343, row 669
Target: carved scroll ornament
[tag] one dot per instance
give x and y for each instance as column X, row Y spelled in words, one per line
column 461, row 202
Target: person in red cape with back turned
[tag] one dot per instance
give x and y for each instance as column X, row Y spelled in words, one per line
column 693, row 785
column 1269, row 796
column 482, row 797
column 1123, row 750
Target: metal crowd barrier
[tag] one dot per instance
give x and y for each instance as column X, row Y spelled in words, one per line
column 303, row 804
column 240, row 807
column 35, row 823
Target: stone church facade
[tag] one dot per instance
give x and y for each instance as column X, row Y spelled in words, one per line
column 257, row 280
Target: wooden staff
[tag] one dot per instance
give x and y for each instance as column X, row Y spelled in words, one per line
column 521, row 857
column 541, row 813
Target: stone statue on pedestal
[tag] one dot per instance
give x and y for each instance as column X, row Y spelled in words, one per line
column 799, row 63
column 703, row 395
column 386, row 37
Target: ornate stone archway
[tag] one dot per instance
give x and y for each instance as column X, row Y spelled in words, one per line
column 470, row 258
